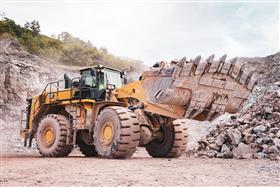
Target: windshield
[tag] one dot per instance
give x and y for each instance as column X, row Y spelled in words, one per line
column 113, row 77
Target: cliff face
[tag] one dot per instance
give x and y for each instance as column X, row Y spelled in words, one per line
column 21, row 75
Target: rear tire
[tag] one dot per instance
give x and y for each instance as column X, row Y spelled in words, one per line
column 51, row 136
column 172, row 144
column 85, row 144
column 116, row 133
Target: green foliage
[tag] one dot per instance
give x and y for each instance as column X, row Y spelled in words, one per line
column 64, row 48
column 30, row 38
column 33, row 26
column 9, row 26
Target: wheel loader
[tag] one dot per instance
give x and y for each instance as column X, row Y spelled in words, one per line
column 106, row 117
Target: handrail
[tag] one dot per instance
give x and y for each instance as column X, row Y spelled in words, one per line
column 57, row 83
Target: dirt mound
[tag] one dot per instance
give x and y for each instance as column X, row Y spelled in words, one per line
column 255, row 133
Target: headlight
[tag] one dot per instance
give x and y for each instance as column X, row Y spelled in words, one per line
column 110, row 86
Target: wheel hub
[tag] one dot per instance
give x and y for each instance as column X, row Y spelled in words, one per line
column 48, row 136
column 107, row 133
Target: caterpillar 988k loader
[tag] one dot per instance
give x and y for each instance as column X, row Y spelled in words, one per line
column 109, row 119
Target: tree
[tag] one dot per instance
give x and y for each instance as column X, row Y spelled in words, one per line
column 34, row 26
column 27, row 25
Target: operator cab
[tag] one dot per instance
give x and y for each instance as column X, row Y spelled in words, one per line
column 96, row 81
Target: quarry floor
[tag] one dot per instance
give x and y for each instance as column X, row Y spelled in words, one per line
column 141, row 170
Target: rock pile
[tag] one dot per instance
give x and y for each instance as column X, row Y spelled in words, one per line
column 254, row 133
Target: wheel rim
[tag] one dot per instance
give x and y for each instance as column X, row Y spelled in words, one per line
column 107, row 133
column 48, row 136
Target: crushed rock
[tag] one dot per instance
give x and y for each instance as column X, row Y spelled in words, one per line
column 254, row 133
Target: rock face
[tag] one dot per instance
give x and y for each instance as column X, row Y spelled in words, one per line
column 22, row 75
column 252, row 134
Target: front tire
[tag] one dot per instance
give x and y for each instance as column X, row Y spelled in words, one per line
column 51, row 136
column 116, row 133
column 172, row 143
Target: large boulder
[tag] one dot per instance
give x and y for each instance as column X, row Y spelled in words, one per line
column 234, row 136
column 243, row 151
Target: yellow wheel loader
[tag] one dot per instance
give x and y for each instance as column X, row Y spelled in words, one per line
column 105, row 117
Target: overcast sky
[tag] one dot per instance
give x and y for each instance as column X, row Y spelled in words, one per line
column 161, row 30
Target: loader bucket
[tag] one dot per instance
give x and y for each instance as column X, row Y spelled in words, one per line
column 207, row 88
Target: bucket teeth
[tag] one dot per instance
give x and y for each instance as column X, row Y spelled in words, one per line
column 210, row 59
column 226, row 67
column 201, row 67
column 197, row 60
column 253, row 80
column 182, row 61
column 245, row 76
column 223, row 67
column 223, row 58
column 242, row 67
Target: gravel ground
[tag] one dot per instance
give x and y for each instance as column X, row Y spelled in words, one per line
column 140, row 170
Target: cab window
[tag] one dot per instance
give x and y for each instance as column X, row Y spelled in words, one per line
column 113, row 77
column 87, row 79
